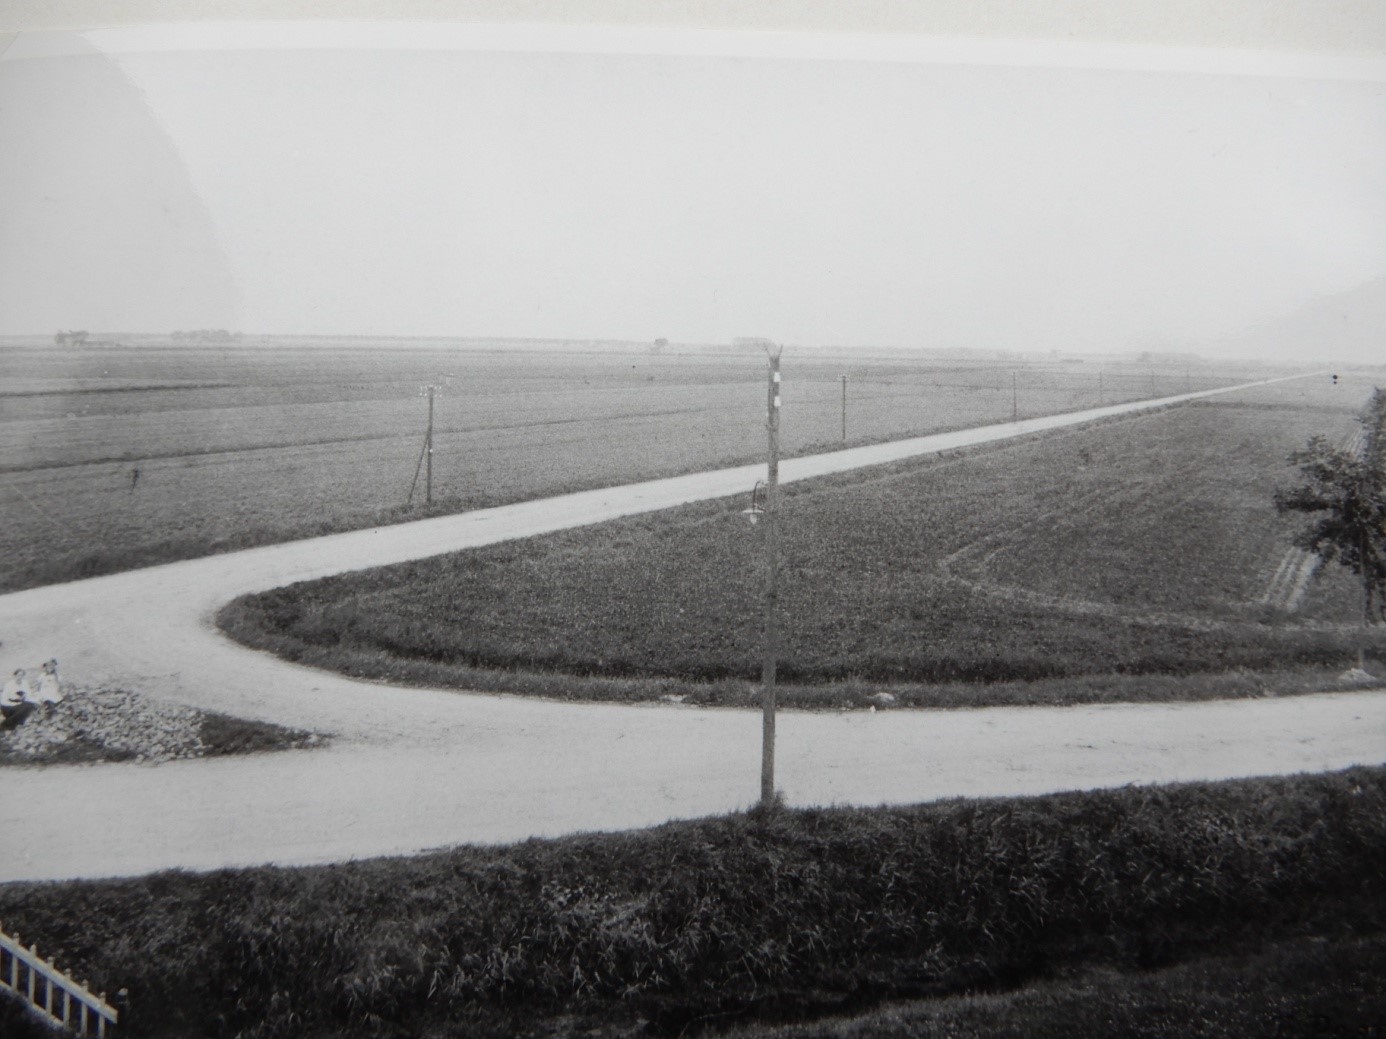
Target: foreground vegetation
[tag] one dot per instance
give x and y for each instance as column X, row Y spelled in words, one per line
column 1315, row 988
column 775, row 916
column 1122, row 556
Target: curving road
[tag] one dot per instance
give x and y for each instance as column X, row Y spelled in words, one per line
column 414, row 768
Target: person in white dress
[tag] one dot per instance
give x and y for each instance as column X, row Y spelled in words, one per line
column 48, row 691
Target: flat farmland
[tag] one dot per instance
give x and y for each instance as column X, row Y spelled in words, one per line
column 1141, row 546
column 123, row 456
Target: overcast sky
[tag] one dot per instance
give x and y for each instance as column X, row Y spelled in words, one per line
column 921, row 202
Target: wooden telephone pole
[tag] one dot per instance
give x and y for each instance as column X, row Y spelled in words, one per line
column 769, row 518
column 772, row 583
column 425, row 457
column 428, row 441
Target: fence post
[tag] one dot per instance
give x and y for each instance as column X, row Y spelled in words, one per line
column 52, row 991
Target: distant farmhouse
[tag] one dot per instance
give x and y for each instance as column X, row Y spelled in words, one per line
column 80, row 339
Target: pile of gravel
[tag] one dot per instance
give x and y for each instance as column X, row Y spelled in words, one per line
column 119, row 724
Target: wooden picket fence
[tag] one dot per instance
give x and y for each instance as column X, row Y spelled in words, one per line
column 51, row 992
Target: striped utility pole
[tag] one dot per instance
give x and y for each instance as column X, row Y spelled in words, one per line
column 772, row 582
column 771, row 522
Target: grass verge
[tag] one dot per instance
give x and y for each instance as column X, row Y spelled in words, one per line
column 778, row 916
column 239, row 620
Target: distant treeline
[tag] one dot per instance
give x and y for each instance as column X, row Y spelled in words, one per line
column 206, row 335
column 83, row 338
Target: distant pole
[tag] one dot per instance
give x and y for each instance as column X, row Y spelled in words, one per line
column 772, row 581
column 428, row 451
column 844, row 409
column 1015, row 401
column 1366, row 596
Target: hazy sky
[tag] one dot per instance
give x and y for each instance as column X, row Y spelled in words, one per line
column 956, row 202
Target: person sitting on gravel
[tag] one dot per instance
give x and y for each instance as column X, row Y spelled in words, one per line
column 15, row 704
column 49, row 691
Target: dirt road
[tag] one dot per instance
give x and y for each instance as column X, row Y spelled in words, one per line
column 413, row 769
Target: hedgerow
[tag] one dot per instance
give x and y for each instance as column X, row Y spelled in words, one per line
column 774, row 915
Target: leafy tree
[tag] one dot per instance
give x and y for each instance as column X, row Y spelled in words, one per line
column 1346, row 489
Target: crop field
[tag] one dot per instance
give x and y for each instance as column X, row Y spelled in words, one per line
column 122, row 456
column 1140, row 546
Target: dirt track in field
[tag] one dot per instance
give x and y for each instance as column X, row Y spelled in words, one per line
column 413, row 768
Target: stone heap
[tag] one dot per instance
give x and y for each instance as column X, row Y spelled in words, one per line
column 122, row 724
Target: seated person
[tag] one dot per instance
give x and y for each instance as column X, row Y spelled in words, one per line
column 15, row 704
column 48, row 691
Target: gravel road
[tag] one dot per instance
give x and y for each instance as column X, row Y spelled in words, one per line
column 415, row 768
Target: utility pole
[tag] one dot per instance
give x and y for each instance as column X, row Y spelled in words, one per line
column 1363, row 549
column 772, row 582
column 425, row 455
column 428, row 450
column 844, row 409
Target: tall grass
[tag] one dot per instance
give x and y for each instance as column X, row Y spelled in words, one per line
column 774, row 915
column 1305, row 989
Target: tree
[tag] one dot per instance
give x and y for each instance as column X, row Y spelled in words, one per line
column 1347, row 490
